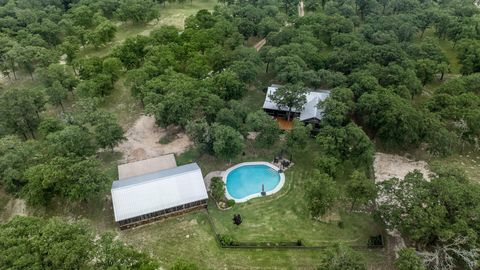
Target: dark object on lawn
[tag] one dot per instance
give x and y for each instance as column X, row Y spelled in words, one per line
column 299, row 243
column 263, row 191
column 285, row 163
column 237, row 219
column 340, row 224
column 375, row 241
column 275, row 159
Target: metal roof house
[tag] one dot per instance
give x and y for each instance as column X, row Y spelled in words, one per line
column 144, row 198
column 309, row 113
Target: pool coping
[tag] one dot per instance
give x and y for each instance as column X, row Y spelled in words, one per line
column 256, row 195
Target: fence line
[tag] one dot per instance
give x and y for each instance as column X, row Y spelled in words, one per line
column 298, row 245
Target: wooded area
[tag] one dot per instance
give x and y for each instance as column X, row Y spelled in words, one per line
column 404, row 78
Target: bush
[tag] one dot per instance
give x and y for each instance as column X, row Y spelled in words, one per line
column 340, row 224
column 230, row 203
column 226, row 240
column 217, row 189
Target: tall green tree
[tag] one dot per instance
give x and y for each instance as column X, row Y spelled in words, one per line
column 227, row 142
column 20, row 110
column 430, row 212
column 349, row 143
column 137, row 11
column 228, row 85
column 408, row 259
column 321, row 194
column 393, row 118
column 69, row 178
column 340, row 257
column 297, row 137
column 15, row 157
column 36, row 243
column 266, row 126
column 70, row 141
column 360, row 189
column 290, row 96
column 107, row 132
column 57, row 94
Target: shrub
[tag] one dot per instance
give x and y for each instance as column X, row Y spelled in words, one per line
column 226, row 240
column 230, row 203
column 340, row 224
column 217, row 189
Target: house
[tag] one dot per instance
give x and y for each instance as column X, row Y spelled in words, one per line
column 144, row 198
column 310, row 113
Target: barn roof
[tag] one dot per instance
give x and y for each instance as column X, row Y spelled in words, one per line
column 151, row 192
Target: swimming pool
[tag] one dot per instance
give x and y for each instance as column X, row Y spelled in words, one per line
column 244, row 181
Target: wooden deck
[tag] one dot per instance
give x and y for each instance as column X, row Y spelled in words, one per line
column 284, row 124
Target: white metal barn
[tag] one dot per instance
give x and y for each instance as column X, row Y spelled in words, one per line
column 148, row 197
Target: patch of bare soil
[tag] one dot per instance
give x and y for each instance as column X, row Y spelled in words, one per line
column 252, row 135
column 14, row 207
column 143, row 141
column 387, row 166
column 301, row 11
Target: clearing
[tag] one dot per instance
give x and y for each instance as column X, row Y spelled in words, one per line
column 143, row 141
column 173, row 14
column 387, row 166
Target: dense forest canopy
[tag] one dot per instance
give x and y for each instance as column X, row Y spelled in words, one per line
column 394, row 84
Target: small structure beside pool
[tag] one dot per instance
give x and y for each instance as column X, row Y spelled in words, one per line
column 245, row 181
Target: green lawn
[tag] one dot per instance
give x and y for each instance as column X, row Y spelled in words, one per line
column 190, row 237
column 284, row 217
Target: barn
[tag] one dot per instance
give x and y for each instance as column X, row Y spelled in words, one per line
column 144, row 198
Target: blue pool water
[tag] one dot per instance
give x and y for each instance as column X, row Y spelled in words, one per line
column 248, row 179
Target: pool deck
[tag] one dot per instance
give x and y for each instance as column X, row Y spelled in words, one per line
column 244, row 199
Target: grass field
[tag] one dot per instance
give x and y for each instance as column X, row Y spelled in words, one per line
column 170, row 14
column 469, row 162
column 446, row 46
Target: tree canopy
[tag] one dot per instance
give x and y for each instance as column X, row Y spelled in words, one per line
column 36, row 243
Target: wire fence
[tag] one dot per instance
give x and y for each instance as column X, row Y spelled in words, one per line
column 225, row 241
